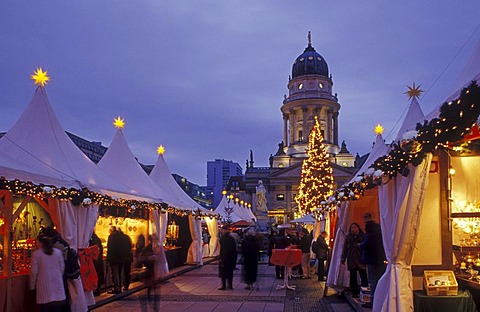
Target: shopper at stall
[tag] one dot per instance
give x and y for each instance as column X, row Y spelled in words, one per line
column 352, row 255
column 115, row 258
column 46, row 276
column 98, row 263
column 138, row 249
column 281, row 242
column 126, row 243
column 320, row 248
column 305, row 244
column 250, row 252
column 373, row 254
column 228, row 259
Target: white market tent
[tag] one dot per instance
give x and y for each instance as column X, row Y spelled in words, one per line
column 306, row 219
column 236, row 214
column 162, row 176
column 120, row 162
column 38, row 150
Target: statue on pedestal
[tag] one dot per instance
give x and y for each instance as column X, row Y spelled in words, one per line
column 261, row 197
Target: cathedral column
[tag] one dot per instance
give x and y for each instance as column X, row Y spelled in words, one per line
column 305, row 124
column 335, row 128
column 328, row 132
column 288, row 195
column 285, row 129
column 292, row 127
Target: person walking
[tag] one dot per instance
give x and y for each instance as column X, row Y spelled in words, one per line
column 281, row 242
column 115, row 259
column 228, row 259
column 373, row 254
column 250, row 253
column 320, row 248
column 149, row 257
column 351, row 253
column 305, row 244
column 46, row 277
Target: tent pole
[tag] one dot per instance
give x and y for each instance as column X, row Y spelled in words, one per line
column 7, row 240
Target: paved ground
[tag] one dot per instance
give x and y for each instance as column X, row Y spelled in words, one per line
column 197, row 290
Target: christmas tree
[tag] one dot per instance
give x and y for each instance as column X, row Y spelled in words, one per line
column 316, row 183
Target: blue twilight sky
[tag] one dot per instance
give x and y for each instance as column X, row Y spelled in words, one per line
column 206, row 78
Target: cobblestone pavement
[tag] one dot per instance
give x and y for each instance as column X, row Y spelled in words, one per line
column 197, row 290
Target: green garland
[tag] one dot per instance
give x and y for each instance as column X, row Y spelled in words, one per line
column 455, row 120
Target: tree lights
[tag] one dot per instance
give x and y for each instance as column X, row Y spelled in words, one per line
column 316, row 183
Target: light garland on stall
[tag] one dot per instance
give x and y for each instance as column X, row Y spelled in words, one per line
column 456, row 119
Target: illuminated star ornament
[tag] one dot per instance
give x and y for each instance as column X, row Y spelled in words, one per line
column 414, row 91
column 160, row 150
column 40, row 77
column 119, row 123
column 378, row 129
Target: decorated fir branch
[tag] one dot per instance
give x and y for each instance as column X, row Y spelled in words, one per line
column 316, row 182
column 86, row 197
column 456, row 119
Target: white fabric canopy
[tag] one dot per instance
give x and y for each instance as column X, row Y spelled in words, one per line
column 308, row 219
column 173, row 193
column 158, row 226
column 401, row 202
column 120, row 163
column 195, row 251
column 37, row 149
column 214, row 244
column 236, row 214
column 414, row 116
column 338, row 274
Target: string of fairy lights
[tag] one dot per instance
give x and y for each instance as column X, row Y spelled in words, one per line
column 109, row 205
column 456, row 119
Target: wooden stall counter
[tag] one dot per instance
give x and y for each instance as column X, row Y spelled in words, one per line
column 24, row 299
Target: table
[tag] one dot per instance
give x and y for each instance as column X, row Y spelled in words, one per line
column 462, row 302
column 287, row 258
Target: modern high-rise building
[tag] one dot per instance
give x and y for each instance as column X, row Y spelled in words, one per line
column 218, row 175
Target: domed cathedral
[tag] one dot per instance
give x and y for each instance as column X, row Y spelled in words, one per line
column 309, row 94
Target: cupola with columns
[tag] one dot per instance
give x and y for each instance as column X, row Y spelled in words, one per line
column 309, row 95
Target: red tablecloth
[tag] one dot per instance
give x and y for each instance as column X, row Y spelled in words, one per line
column 286, row 257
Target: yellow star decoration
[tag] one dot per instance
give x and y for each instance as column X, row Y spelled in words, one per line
column 414, row 91
column 119, row 123
column 378, row 129
column 161, row 150
column 40, row 77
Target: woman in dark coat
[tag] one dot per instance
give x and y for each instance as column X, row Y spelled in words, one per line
column 228, row 259
column 352, row 254
column 250, row 253
column 320, row 248
column 95, row 240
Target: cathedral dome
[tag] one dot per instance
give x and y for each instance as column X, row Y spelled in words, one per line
column 309, row 63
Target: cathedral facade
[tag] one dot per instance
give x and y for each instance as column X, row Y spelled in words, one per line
column 310, row 94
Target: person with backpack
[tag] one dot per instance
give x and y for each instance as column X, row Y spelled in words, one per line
column 46, row 276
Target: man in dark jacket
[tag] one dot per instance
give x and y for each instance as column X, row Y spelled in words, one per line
column 228, row 259
column 115, row 258
column 373, row 254
column 305, row 244
column 127, row 259
column 320, row 248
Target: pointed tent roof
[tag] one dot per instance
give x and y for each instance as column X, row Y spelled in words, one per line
column 379, row 149
column 162, row 176
column 235, row 215
column 121, row 164
column 37, row 149
column 414, row 116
